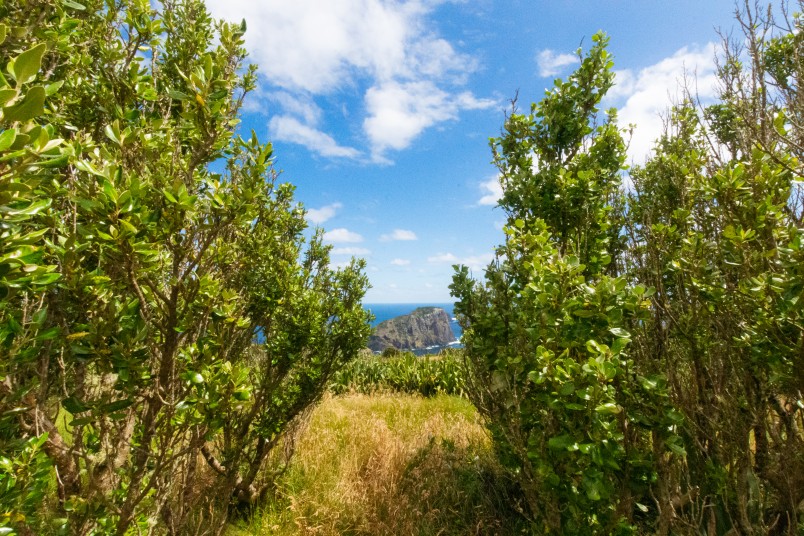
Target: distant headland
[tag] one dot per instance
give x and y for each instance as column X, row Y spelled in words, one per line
column 424, row 327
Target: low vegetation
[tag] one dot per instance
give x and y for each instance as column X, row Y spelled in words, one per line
column 391, row 463
column 403, row 372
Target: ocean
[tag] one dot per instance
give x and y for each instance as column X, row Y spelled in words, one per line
column 386, row 311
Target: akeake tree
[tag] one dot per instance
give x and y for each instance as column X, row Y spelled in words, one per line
column 157, row 248
column 547, row 335
column 638, row 354
column 716, row 227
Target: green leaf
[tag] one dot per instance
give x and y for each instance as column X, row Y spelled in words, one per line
column 178, row 95
column 567, row 389
column 27, row 64
column 86, row 166
column 48, row 334
column 82, row 421
column 51, row 89
column 4, row 32
column 20, row 143
column 6, row 95
column 117, row 405
column 592, row 487
column 113, row 132
column 30, row 210
column 593, row 347
column 46, row 279
column 618, row 345
column 673, row 444
column 40, row 316
column 33, row 105
column 110, row 192
column 74, row 405
column 561, row 442
column 609, row 408
column 620, row 332
column 55, row 162
column 129, row 227
column 73, row 5
column 7, row 138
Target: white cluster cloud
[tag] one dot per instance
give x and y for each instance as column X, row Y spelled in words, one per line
column 400, row 262
column 288, row 128
column 398, row 112
column 308, row 48
column 551, row 63
column 492, row 191
column 342, row 235
column 399, row 234
column 473, row 262
column 320, row 215
column 644, row 97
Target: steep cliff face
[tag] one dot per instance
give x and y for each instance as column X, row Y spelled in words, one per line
column 426, row 326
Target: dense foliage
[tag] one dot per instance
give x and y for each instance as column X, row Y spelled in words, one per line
column 145, row 250
column 637, row 352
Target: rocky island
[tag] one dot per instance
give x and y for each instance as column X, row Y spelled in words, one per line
column 424, row 327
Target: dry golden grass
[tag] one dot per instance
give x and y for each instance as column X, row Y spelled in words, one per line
column 391, row 464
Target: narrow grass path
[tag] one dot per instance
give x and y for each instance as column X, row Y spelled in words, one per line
column 391, row 464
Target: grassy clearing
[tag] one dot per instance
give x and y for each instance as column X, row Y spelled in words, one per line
column 391, row 464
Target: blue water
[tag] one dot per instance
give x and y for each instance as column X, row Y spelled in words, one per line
column 386, row 311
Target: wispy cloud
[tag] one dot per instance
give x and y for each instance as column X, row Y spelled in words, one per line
column 400, row 262
column 351, row 251
column 443, row 258
column 644, row 96
column 301, row 105
column 474, row 262
column 290, row 129
column 400, row 235
column 551, row 63
column 342, row 235
column 320, row 215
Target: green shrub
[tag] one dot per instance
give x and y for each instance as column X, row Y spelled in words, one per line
column 143, row 246
column 637, row 352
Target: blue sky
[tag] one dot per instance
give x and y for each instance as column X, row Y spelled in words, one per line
column 380, row 111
